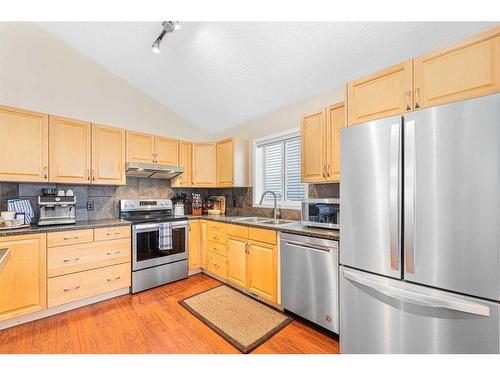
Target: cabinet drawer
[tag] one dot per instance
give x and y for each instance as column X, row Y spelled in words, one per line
column 112, row 233
column 217, row 227
column 237, row 230
column 217, row 248
column 74, row 258
column 217, row 264
column 68, row 288
column 217, row 237
column 70, row 237
column 262, row 235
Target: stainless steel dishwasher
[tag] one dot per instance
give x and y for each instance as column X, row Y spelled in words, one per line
column 310, row 279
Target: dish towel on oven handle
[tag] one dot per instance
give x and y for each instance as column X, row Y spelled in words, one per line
column 21, row 206
column 165, row 236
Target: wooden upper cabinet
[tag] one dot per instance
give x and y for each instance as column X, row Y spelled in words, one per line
column 225, row 162
column 140, row 147
column 23, row 275
column 166, row 151
column 262, row 270
column 335, row 121
column 382, row 94
column 108, row 155
column 204, row 167
column 313, row 147
column 185, row 161
column 465, row 70
column 24, row 145
column 69, row 143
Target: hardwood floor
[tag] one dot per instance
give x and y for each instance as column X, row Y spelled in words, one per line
column 149, row 322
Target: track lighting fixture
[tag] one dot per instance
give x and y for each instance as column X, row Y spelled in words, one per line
column 168, row 27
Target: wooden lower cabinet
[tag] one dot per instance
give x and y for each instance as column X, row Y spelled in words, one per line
column 252, row 264
column 262, row 269
column 216, row 264
column 75, row 286
column 237, row 260
column 23, row 275
column 63, row 260
column 194, row 244
column 203, row 244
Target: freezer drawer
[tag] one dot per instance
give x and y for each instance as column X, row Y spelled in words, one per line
column 309, row 279
column 383, row 315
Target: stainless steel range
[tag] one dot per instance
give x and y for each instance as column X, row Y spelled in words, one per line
column 153, row 263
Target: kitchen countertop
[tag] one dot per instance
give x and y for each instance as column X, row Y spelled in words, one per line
column 87, row 224
column 294, row 228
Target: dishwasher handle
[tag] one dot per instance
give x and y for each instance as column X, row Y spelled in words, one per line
column 311, row 246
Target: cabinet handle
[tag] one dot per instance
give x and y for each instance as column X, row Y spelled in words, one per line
column 70, row 238
column 93, row 174
column 408, row 98
column 328, row 170
column 216, row 266
column 116, row 252
column 69, row 260
column 75, row 288
column 324, row 170
column 112, row 234
column 88, row 174
column 417, row 95
column 45, row 172
column 116, row 278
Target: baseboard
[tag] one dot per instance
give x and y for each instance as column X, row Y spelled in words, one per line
column 62, row 308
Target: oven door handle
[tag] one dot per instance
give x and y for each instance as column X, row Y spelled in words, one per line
column 176, row 224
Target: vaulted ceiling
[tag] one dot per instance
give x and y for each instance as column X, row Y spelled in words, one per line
column 218, row 75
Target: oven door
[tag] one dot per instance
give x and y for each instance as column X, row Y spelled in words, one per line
column 323, row 213
column 145, row 245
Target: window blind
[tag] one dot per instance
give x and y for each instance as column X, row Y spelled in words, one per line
column 282, row 169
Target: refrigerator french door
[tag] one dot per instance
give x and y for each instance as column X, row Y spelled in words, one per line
column 437, row 180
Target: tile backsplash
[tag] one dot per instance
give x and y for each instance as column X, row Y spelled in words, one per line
column 239, row 201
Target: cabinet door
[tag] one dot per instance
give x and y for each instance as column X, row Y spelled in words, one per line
column 108, row 155
column 140, row 147
column 313, row 146
column 204, row 164
column 262, row 272
column 225, row 162
column 69, row 150
column 23, row 275
column 335, row 121
column 465, row 70
column 382, row 94
column 194, row 244
column 166, row 151
column 237, row 260
column 185, row 161
column 203, row 244
column 24, row 145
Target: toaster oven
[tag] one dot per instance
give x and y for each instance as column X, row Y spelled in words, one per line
column 323, row 213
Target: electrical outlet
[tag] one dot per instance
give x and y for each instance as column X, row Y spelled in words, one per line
column 90, row 206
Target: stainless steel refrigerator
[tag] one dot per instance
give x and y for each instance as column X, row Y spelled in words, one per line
column 420, row 231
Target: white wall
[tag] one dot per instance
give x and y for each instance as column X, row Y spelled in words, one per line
column 41, row 73
column 281, row 120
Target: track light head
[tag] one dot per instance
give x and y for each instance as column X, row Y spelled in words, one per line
column 168, row 27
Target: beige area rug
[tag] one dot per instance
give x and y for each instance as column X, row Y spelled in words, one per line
column 241, row 320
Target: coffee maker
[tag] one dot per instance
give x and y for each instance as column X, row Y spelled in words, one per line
column 57, row 210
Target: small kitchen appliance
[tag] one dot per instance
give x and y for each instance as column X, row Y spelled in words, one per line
column 322, row 213
column 56, row 210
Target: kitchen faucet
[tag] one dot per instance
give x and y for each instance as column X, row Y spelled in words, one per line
column 276, row 210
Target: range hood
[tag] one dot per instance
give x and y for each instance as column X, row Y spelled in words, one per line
column 148, row 170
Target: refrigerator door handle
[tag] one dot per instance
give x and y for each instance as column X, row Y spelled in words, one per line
column 409, row 197
column 443, row 302
column 395, row 195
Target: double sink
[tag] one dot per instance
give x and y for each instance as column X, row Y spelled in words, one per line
column 263, row 220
